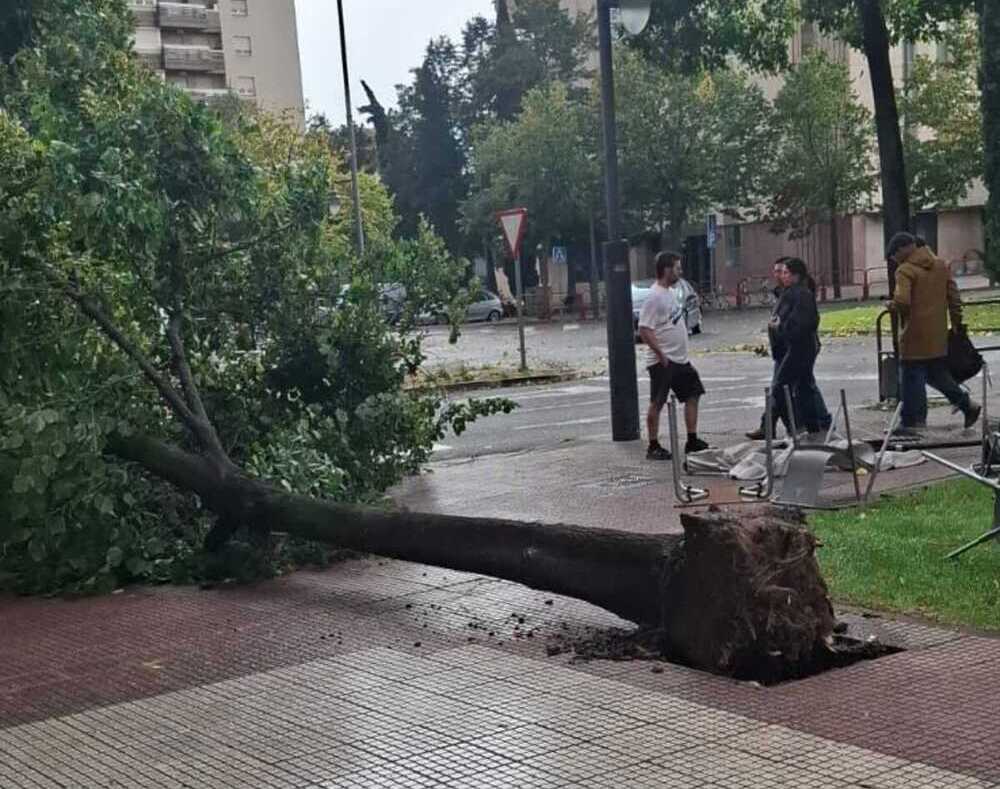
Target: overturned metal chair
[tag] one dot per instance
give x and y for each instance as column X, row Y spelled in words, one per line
column 686, row 493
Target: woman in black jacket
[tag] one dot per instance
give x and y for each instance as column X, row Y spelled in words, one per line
column 795, row 324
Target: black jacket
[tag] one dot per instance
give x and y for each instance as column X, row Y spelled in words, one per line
column 777, row 345
column 798, row 316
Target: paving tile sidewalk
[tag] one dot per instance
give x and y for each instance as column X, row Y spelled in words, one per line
column 382, row 673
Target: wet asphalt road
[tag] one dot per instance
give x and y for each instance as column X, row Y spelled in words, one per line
column 578, row 411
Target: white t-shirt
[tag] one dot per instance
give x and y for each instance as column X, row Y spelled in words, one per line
column 663, row 312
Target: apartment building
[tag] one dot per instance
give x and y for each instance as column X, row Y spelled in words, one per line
column 213, row 48
column 744, row 251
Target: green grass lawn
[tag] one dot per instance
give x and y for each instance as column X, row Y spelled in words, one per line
column 853, row 321
column 891, row 558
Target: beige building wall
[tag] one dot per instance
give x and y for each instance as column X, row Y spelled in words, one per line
column 262, row 54
column 214, row 47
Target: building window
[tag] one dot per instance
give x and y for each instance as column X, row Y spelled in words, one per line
column 239, row 7
column 241, row 45
column 246, row 86
column 734, row 241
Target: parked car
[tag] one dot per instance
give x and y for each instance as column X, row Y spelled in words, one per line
column 686, row 294
column 488, row 307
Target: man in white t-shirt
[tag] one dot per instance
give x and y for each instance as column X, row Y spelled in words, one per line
column 663, row 328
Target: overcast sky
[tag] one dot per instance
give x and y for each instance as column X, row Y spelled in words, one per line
column 385, row 39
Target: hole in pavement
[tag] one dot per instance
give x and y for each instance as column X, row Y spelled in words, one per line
column 648, row 645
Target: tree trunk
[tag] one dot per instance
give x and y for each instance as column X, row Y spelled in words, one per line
column 834, row 252
column 740, row 595
column 895, row 196
column 990, row 83
column 595, row 288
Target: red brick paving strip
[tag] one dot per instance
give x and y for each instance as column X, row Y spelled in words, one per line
column 937, row 705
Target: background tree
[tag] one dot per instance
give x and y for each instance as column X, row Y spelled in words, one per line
column 990, row 47
column 688, row 143
column 424, row 145
column 822, row 166
column 543, row 161
column 942, row 115
column 698, row 34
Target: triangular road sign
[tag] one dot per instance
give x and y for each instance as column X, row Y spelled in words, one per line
column 513, row 225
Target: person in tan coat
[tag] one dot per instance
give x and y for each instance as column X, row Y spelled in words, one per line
column 924, row 299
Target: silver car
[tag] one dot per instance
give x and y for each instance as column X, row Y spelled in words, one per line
column 487, row 307
column 686, row 295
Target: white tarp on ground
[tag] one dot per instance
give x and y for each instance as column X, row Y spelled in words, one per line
column 747, row 462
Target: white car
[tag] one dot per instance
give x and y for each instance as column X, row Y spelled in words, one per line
column 686, row 294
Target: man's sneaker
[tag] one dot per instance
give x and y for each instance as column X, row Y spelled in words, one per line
column 972, row 415
column 906, row 432
column 756, row 435
column 658, row 453
column 695, row 445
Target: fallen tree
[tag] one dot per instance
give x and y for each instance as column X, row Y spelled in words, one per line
column 736, row 595
column 177, row 295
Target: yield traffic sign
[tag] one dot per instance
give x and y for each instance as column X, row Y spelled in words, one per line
column 513, row 225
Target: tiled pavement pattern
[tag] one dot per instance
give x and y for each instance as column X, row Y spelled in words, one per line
column 317, row 680
column 465, row 717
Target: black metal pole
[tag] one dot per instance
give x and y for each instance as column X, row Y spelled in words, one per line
column 621, row 340
column 359, row 229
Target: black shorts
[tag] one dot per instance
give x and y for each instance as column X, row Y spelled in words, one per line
column 681, row 379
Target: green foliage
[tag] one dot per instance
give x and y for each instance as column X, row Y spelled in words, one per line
column 688, row 143
column 543, row 161
column 426, row 145
column 692, row 37
column 121, row 194
column 824, row 147
column 906, row 20
column 942, row 112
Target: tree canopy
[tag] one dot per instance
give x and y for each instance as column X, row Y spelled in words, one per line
column 689, row 143
column 173, row 283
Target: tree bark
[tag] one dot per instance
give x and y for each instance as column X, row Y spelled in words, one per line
column 741, row 596
column 990, row 84
column 834, row 252
column 595, row 288
column 895, row 196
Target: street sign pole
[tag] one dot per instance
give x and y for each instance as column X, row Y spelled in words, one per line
column 621, row 340
column 513, row 224
column 520, row 312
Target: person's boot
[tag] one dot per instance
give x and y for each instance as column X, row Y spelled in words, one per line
column 972, row 413
column 656, row 452
column 757, row 435
column 695, row 444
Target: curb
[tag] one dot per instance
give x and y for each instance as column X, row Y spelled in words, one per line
column 501, row 383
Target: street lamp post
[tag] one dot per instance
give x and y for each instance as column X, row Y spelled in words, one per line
column 621, row 340
column 359, row 229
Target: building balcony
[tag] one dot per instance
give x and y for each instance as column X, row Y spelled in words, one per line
column 152, row 58
column 186, row 16
column 188, row 58
column 144, row 12
column 209, row 94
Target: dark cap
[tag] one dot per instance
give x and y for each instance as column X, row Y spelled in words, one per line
column 897, row 242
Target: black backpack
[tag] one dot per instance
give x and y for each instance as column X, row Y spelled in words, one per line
column 964, row 361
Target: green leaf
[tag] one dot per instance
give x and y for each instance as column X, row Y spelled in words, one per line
column 36, row 549
column 114, row 556
column 14, row 441
column 22, row 483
